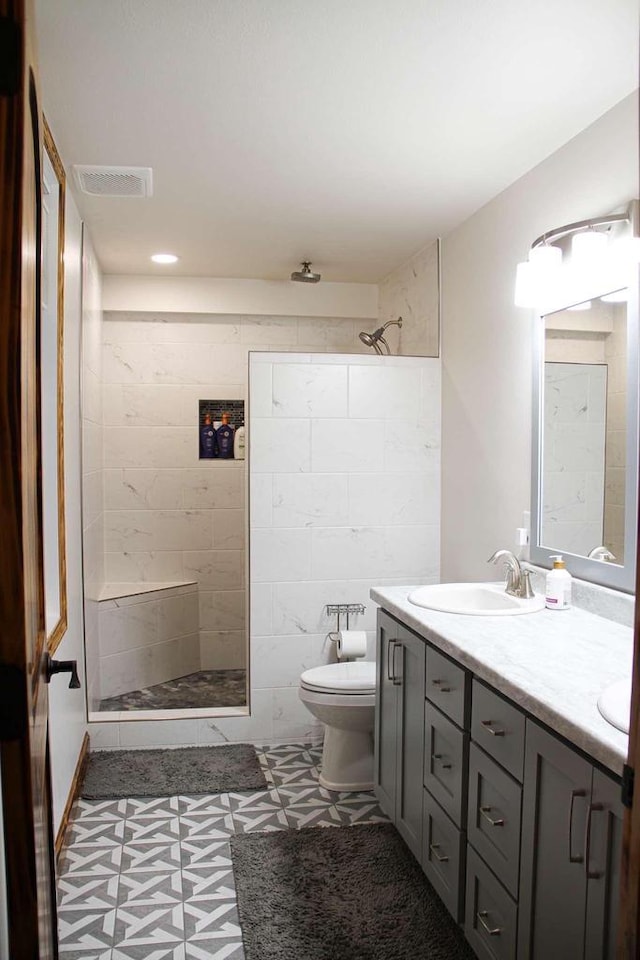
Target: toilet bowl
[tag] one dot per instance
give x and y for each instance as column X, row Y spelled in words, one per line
column 342, row 697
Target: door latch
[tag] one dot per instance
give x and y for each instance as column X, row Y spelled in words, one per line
column 52, row 667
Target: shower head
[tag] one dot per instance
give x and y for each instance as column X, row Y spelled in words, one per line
column 306, row 275
column 377, row 337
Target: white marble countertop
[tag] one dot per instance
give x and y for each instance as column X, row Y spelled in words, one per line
column 554, row 663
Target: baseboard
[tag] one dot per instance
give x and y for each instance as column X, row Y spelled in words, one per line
column 74, row 790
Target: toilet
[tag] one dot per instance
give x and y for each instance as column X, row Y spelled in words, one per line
column 342, row 696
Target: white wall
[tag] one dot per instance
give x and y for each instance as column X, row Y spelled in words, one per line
column 487, row 341
column 166, row 294
column 67, row 715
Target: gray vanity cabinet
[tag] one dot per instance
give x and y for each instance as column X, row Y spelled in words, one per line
column 399, row 732
column 571, row 829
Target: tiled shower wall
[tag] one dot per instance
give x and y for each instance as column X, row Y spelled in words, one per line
column 168, row 515
column 345, row 494
column 92, row 464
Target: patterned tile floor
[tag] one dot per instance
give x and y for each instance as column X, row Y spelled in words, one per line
column 152, row 879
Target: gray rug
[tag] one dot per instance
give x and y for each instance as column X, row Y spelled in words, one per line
column 323, row 894
column 166, row 773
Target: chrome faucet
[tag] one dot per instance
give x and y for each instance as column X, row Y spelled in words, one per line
column 601, row 553
column 518, row 580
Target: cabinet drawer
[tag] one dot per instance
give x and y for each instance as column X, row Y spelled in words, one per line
column 490, row 914
column 446, row 686
column 445, row 761
column 494, row 817
column 499, row 728
column 442, row 848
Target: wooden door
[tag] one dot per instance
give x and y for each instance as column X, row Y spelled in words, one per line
column 23, row 710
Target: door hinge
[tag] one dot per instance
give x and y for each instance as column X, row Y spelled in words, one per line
column 10, row 57
column 13, row 702
column 628, row 776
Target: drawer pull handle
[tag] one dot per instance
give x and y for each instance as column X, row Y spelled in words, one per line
column 390, row 658
column 438, row 756
column 492, row 931
column 485, row 811
column 494, row 731
column 574, row 858
column 438, row 683
column 591, row 874
column 434, row 847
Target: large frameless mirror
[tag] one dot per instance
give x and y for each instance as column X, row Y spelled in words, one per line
column 584, row 489
column 52, row 388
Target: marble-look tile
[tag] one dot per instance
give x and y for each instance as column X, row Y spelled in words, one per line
column 254, row 729
column 132, row 566
column 279, row 445
column 215, row 569
column 278, row 555
column 395, row 498
column 148, row 530
column 125, row 628
column 178, row 616
column 228, row 530
column 411, row 291
column 222, row 610
column 390, row 393
column 223, row 649
column 192, row 393
column 291, row 719
column 305, row 500
column 150, row 447
column 261, row 500
column 92, row 446
column 150, row 733
column 346, row 446
column 141, row 405
column 301, row 607
column 276, row 331
column 260, row 387
column 261, row 600
column 349, row 552
column 279, row 661
column 411, row 447
column 218, row 486
column 142, row 489
column 93, row 497
column 309, row 390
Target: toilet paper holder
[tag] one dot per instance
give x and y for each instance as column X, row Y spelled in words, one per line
column 342, row 609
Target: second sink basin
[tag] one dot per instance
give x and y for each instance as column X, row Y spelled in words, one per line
column 475, row 599
column 614, row 704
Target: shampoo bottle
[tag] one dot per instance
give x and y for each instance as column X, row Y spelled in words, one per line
column 238, row 443
column 207, row 440
column 224, row 438
column 557, row 594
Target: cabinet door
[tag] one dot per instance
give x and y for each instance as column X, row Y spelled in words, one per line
column 553, row 881
column 410, row 677
column 603, row 855
column 386, row 724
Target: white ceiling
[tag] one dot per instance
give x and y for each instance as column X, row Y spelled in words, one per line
column 348, row 132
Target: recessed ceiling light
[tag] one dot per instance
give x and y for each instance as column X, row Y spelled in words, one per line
column 164, row 258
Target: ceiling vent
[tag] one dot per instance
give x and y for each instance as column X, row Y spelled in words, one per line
column 114, row 181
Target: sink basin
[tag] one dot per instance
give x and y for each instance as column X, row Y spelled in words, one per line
column 614, row 704
column 475, row 599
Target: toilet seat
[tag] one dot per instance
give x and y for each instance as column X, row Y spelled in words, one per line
column 352, row 678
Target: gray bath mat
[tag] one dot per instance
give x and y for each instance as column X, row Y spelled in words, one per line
column 319, row 894
column 165, row 773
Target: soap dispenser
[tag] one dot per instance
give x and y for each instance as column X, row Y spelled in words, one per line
column 557, row 594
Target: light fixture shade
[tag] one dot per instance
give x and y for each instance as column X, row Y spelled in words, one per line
column 628, row 250
column 546, row 258
column 589, row 246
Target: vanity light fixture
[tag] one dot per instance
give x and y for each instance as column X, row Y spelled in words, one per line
column 580, row 306
column 164, row 258
column 544, row 274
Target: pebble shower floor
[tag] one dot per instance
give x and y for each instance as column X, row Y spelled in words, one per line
column 152, row 879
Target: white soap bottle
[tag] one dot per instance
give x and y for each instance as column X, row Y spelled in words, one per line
column 557, row 594
column 238, row 443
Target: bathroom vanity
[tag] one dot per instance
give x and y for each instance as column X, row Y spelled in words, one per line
column 493, row 762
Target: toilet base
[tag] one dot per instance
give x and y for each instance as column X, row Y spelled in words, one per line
column 347, row 760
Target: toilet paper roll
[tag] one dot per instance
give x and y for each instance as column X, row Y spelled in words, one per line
column 351, row 644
